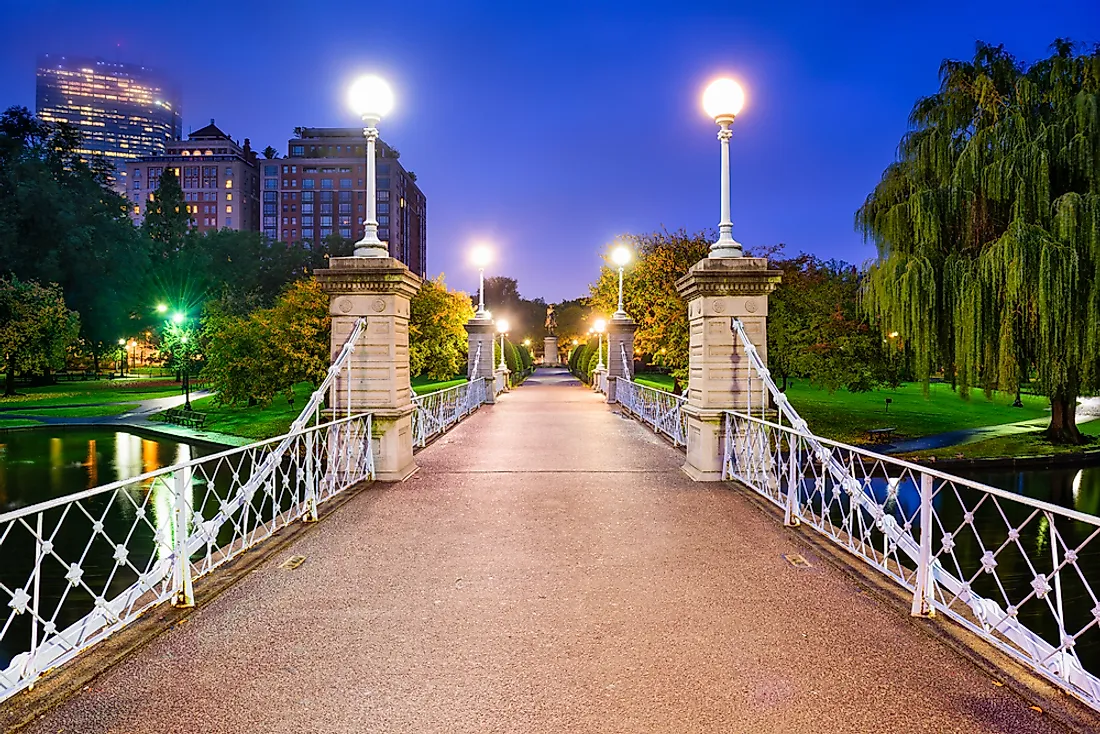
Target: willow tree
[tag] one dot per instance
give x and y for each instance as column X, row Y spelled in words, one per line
column 988, row 228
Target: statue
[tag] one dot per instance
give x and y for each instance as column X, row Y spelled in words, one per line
column 551, row 321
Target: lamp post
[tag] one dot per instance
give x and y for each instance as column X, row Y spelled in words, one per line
column 723, row 100
column 372, row 99
column 121, row 357
column 620, row 256
column 599, row 328
column 184, row 339
column 481, row 257
column 502, row 327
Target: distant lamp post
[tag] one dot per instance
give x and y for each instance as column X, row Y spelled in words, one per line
column 599, row 327
column 723, row 100
column 372, row 99
column 481, row 256
column 502, row 327
column 162, row 308
column 121, row 357
column 620, row 256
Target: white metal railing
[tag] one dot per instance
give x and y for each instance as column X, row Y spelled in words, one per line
column 626, row 362
column 438, row 411
column 661, row 410
column 1021, row 573
column 79, row 568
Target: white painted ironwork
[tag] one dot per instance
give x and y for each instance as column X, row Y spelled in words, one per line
column 86, row 565
column 1021, row 573
column 626, row 362
column 438, row 411
column 661, row 410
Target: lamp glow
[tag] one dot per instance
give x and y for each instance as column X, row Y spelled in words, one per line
column 620, row 255
column 502, row 326
column 122, row 342
column 481, row 256
column 162, row 308
column 723, row 99
column 599, row 326
column 371, row 97
column 178, row 318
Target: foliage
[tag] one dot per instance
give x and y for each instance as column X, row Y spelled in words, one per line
column 574, row 319
column 167, row 220
column 527, row 318
column 649, row 293
column 816, row 328
column 437, row 339
column 988, row 228
column 36, row 328
column 61, row 223
column 251, row 359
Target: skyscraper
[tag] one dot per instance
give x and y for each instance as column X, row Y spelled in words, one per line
column 122, row 111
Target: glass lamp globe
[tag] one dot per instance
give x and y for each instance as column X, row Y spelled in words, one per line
column 481, row 256
column 723, row 99
column 371, row 97
column 620, row 255
column 600, row 325
column 502, row 326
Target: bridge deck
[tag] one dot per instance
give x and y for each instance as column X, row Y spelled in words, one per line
column 548, row 569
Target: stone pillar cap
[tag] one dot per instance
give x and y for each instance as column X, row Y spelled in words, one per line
column 727, row 276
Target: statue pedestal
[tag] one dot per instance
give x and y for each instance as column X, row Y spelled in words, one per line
column 550, row 352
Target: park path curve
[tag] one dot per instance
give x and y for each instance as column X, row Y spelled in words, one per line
column 548, row 569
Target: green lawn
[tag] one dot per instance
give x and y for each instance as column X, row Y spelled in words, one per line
column 659, row 381
column 1018, row 445
column 92, row 391
column 845, row 416
column 86, row 412
column 17, row 422
column 265, row 422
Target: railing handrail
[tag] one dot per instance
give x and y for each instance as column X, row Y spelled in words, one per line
column 969, row 483
column 85, row 494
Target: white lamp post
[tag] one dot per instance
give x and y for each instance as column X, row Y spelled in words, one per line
column 620, row 256
column 372, row 99
column 723, row 100
column 599, row 329
column 481, row 256
column 502, row 327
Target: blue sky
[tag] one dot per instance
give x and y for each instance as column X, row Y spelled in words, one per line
column 549, row 128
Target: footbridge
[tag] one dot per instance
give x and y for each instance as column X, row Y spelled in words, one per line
column 548, row 557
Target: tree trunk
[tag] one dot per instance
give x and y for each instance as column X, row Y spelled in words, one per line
column 1063, row 421
column 784, row 389
column 9, row 381
column 95, row 363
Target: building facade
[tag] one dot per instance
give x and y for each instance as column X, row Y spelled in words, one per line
column 219, row 178
column 319, row 191
column 122, row 111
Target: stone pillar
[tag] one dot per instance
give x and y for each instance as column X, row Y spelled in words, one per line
column 379, row 289
column 620, row 337
column 550, row 352
column 717, row 289
column 481, row 332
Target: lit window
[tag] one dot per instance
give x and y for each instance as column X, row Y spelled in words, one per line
column 229, row 184
column 229, row 197
column 229, row 210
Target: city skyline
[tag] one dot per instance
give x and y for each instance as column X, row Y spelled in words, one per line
column 603, row 134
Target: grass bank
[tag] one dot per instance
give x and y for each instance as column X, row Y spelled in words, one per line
column 1020, row 445
column 258, row 422
column 123, row 390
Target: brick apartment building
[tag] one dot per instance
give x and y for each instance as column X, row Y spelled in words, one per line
column 318, row 191
column 219, row 177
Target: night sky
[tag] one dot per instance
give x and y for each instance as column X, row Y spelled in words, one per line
column 549, row 128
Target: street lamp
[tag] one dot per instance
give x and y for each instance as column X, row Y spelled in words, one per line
column 162, row 308
column 481, row 256
column 620, row 256
column 723, row 100
column 502, row 327
column 121, row 357
column 372, row 99
column 599, row 328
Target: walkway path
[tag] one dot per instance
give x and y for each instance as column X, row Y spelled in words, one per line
column 548, row 569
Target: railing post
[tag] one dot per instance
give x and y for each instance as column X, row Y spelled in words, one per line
column 310, row 514
column 791, row 513
column 30, row 670
column 182, row 584
column 924, row 595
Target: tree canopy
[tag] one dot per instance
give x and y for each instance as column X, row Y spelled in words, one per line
column 988, row 228
column 437, row 339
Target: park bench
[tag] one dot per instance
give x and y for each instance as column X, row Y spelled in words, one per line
column 187, row 418
column 881, row 435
